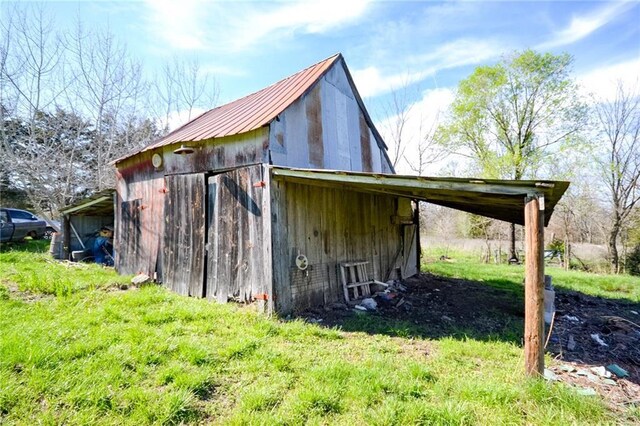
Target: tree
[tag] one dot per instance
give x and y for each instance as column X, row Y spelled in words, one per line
column 48, row 163
column 410, row 133
column 397, row 112
column 107, row 84
column 511, row 117
column 182, row 86
column 619, row 131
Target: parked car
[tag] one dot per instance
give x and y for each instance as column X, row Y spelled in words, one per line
column 52, row 227
column 16, row 224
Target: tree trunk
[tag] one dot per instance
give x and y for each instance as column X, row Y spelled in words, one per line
column 513, row 255
column 613, row 249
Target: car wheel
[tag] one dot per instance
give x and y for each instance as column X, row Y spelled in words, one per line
column 48, row 234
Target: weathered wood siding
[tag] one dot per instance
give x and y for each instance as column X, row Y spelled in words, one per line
column 139, row 248
column 218, row 154
column 139, row 216
column 183, row 259
column 236, row 245
column 327, row 129
column 330, row 226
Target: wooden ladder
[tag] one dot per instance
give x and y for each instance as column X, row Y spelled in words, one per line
column 356, row 279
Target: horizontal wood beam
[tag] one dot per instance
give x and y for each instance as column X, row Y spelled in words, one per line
column 416, row 183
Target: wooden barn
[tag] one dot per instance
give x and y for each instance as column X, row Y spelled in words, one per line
column 266, row 197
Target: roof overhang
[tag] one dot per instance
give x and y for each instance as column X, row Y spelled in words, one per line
column 99, row 204
column 497, row 199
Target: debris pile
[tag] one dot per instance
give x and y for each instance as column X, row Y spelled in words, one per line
column 596, row 331
column 610, row 381
column 392, row 297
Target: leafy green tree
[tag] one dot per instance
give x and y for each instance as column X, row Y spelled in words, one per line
column 512, row 117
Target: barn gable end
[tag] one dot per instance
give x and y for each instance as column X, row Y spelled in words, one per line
column 328, row 128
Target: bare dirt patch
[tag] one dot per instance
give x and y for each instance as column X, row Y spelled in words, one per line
column 439, row 307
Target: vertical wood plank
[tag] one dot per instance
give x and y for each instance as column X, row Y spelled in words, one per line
column 534, row 287
column 280, row 241
column 265, row 239
column 237, row 267
column 183, row 255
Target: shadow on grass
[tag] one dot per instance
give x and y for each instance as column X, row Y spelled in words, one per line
column 436, row 307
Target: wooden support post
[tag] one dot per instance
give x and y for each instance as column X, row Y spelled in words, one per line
column 534, row 286
column 66, row 237
column 416, row 220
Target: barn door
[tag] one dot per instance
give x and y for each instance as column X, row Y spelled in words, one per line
column 235, row 265
column 129, row 233
column 410, row 250
column 184, row 232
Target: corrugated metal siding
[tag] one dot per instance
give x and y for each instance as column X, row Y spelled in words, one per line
column 327, row 128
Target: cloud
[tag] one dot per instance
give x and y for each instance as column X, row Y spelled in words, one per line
column 372, row 81
column 179, row 118
column 177, row 23
column 463, row 52
column 424, row 117
column 603, row 82
column 290, row 18
column 238, row 26
column 582, row 26
column 315, row 16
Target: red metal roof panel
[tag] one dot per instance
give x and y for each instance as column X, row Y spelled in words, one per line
column 248, row 113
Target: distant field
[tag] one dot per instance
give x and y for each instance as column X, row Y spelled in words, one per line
column 465, row 264
column 76, row 349
column 592, row 253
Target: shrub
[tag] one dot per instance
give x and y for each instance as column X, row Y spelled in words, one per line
column 633, row 261
column 557, row 245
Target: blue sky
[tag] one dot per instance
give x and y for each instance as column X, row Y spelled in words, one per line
column 249, row 45
column 431, row 45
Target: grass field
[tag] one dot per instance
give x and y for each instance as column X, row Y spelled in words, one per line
column 75, row 349
column 466, row 265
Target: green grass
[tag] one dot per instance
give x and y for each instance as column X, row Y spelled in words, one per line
column 29, row 268
column 148, row 356
column 509, row 277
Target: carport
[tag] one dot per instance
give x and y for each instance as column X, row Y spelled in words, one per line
column 84, row 217
column 526, row 202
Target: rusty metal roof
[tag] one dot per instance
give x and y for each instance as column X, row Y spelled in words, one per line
column 248, row 113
